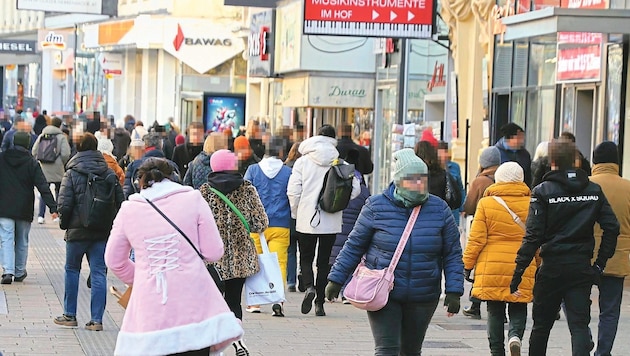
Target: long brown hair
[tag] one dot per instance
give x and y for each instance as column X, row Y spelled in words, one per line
column 294, row 153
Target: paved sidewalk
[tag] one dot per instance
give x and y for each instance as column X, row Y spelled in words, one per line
column 27, row 310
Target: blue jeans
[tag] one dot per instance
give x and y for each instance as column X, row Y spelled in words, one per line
column 399, row 328
column 610, row 293
column 42, row 204
column 292, row 256
column 14, row 237
column 95, row 251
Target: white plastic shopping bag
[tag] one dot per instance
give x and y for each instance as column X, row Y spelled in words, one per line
column 266, row 286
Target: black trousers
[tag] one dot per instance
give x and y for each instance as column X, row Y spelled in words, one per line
column 307, row 244
column 233, row 295
column 555, row 283
column 202, row 352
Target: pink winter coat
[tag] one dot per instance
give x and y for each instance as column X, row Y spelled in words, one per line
column 175, row 305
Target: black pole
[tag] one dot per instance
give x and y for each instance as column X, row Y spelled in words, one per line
column 402, row 82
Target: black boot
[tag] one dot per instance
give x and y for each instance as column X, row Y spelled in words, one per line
column 319, row 309
column 307, row 303
column 474, row 311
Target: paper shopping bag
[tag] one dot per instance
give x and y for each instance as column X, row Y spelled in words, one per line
column 266, row 286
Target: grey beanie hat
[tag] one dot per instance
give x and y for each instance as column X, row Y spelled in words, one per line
column 490, row 157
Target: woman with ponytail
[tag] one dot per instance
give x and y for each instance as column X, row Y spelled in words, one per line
column 165, row 315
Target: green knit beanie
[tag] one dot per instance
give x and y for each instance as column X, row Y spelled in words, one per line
column 406, row 163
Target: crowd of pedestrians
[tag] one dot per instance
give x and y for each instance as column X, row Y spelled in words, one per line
column 543, row 231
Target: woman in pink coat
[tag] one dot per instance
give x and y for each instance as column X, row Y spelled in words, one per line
column 175, row 306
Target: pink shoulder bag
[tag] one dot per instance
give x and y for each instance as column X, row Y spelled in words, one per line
column 369, row 289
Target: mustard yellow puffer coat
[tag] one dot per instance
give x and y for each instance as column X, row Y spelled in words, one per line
column 494, row 241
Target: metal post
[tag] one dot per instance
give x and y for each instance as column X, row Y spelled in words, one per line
column 403, row 81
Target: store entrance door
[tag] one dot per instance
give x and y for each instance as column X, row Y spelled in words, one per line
column 585, row 116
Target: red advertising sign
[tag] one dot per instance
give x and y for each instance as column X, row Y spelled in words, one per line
column 378, row 18
column 580, row 63
column 580, row 53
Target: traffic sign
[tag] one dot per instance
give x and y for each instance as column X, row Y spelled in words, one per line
column 372, row 18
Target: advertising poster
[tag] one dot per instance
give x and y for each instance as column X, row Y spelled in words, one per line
column 224, row 112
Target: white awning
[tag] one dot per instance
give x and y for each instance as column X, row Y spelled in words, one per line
column 552, row 20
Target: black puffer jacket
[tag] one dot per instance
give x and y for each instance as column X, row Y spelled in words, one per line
column 72, row 192
column 562, row 212
column 19, row 173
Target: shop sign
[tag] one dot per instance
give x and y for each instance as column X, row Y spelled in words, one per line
column 288, row 46
column 200, row 44
column 341, row 92
column 111, row 63
column 579, row 55
column 375, row 18
column 53, row 41
column 579, row 64
column 260, row 44
column 437, row 79
column 17, row 46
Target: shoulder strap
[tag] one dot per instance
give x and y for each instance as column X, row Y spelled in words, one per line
column 233, row 207
column 517, row 220
column 175, row 226
column 403, row 239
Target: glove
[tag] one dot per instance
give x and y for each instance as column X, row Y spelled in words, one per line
column 597, row 273
column 467, row 274
column 332, row 290
column 451, row 302
column 516, row 280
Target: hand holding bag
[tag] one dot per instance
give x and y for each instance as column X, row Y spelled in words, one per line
column 369, row 289
column 266, row 286
column 209, row 266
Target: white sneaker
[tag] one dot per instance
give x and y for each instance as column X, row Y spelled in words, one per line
column 40, row 220
column 252, row 309
column 515, row 346
column 56, row 220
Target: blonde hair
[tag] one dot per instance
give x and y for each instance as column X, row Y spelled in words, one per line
column 542, row 150
column 294, row 154
column 214, row 142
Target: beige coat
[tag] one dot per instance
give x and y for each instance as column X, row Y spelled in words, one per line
column 617, row 191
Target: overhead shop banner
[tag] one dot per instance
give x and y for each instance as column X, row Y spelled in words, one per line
column 334, row 92
column 201, row 44
column 579, row 55
column 111, row 63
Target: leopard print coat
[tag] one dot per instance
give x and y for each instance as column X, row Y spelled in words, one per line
column 240, row 259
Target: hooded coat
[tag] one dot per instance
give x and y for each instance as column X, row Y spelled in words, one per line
column 271, row 178
column 72, row 195
column 54, row 171
column 493, row 242
column 306, row 182
column 350, row 216
column 19, row 173
column 478, row 186
column 617, row 191
column 433, row 248
column 121, row 141
column 165, row 315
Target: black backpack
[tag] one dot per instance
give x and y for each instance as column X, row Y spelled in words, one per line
column 337, row 188
column 47, row 150
column 453, row 196
column 99, row 204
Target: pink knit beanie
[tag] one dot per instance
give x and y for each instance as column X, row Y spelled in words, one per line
column 223, row 160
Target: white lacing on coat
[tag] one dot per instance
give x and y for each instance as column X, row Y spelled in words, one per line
column 162, row 258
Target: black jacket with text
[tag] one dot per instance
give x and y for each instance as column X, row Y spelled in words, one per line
column 562, row 212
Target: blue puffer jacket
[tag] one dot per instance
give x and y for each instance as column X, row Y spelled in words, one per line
column 433, row 247
column 271, row 178
column 350, row 216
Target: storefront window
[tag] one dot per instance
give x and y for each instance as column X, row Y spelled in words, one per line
column 502, row 65
column 568, row 103
column 539, row 127
column 613, row 92
column 542, row 64
column 388, row 138
column 91, row 85
column 518, row 108
column 519, row 68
